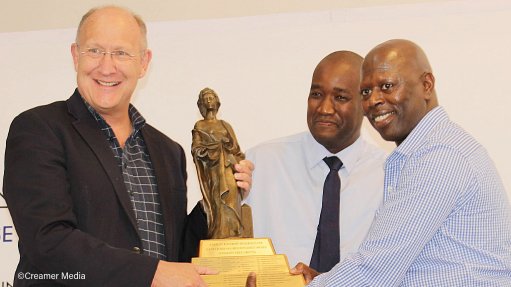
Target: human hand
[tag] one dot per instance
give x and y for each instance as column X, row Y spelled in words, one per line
column 171, row 274
column 251, row 280
column 243, row 176
column 307, row 272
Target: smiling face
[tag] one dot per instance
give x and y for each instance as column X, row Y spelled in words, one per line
column 397, row 89
column 107, row 83
column 334, row 111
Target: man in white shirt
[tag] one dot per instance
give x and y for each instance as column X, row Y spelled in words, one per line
column 286, row 197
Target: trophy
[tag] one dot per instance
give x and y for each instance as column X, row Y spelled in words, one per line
column 215, row 151
column 231, row 248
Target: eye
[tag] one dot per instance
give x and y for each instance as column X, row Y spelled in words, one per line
column 122, row 55
column 341, row 98
column 94, row 52
column 365, row 93
column 386, row 86
column 314, row 94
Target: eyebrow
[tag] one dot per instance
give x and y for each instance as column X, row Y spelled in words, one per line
column 336, row 89
column 315, row 86
column 341, row 90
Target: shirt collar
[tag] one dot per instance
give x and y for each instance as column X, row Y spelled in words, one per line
column 416, row 137
column 136, row 118
column 315, row 152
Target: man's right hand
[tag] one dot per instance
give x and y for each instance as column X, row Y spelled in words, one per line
column 171, row 274
column 307, row 272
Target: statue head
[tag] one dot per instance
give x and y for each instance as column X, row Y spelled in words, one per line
column 206, row 97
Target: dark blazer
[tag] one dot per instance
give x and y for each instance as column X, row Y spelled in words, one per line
column 69, row 204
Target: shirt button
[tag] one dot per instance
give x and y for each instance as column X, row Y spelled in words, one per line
column 137, row 250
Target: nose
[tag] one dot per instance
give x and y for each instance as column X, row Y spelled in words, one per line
column 326, row 106
column 375, row 99
column 107, row 64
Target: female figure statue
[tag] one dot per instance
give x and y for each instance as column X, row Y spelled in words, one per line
column 215, row 151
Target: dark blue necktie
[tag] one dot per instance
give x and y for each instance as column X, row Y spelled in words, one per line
column 326, row 247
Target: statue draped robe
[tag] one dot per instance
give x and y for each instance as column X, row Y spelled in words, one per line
column 215, row 150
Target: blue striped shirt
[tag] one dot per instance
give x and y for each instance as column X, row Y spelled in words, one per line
column 445, row 219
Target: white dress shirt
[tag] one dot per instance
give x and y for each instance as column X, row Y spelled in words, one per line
column 287, row 192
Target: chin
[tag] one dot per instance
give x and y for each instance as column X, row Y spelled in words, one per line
column 386, row 135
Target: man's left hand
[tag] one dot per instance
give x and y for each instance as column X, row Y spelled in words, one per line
column 243, row 176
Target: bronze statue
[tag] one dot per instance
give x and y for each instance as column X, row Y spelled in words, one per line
column 215, row 151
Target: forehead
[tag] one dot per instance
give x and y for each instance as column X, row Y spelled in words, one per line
column 113, row 26
column 337, row 72
column 375, row 68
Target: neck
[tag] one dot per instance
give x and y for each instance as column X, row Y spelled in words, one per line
column 210, row 115
column 121, row 126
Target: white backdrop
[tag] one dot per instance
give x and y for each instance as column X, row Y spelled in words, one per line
column 261, row 68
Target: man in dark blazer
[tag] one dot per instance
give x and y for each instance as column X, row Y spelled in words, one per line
column 97, row 195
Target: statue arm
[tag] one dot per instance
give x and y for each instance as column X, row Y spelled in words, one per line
column 234, row 148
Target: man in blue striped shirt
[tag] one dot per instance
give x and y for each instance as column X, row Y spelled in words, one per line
column 446, row 218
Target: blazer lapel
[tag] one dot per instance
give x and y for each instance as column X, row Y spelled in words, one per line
column 87, row 127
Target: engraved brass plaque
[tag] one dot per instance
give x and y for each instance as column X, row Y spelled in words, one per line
column 235, row 258
column 235, row 247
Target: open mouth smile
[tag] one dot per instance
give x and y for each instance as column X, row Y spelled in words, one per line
column 107, row 84
column 382, row 117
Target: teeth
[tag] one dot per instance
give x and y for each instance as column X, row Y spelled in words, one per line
column 382, row 117
column 108, row 84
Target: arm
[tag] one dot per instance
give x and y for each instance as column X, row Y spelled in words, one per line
column 243, row 168
column 417, row 203
column 232, row 146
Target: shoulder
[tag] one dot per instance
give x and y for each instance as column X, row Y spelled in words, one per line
column 51, row 109
column 366, row 160
column 444, row 155
column 451, row 135
column 50, row 114
column 447, row 144
column 225, row 123
column 153, row 136
column 277, row 146
column 198, row 124
column 369, row 150
column 436, row 133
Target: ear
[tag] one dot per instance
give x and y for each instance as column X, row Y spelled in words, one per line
column 146, row 59
column 75, row 53
column 428, row 82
